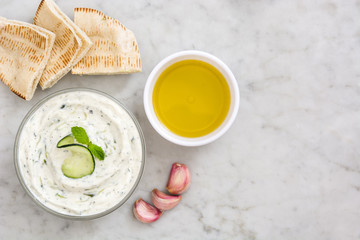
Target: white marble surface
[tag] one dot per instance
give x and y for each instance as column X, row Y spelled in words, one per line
column 289, row 168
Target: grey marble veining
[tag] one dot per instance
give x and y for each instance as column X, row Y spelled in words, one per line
column 288, row 168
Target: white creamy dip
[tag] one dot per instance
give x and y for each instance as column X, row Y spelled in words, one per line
column 108, row 125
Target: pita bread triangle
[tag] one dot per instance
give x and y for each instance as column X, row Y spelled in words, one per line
column 71, row 44
column 115, row 49
column 24, row 52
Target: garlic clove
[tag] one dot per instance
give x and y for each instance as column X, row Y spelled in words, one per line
column 146, row 213
column 164, row 201
column 179, row 179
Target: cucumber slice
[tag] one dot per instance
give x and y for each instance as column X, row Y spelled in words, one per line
column 80, row 164
column 65, row 141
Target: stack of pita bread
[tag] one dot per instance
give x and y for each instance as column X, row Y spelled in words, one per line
column 44, row 52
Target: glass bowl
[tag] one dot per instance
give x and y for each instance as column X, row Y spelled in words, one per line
column 37, row 197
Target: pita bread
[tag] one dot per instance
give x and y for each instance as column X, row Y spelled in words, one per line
column 115, row 49
column 71, row 44
column 24, row 51
column 86, row 42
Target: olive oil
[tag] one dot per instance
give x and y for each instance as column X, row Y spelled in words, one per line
column 191, row 98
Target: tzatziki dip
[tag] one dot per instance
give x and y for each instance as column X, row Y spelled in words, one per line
column 108, row 125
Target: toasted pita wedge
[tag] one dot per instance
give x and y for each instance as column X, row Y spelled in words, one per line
column 71, row 44
column 115, row 49
column 24, row 51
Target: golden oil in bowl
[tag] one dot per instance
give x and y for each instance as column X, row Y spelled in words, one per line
column 191, row 98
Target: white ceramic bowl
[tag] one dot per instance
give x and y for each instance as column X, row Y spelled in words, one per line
column 194, row 55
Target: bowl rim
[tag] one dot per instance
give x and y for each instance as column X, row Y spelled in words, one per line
column 166, row 133
column 34, row 197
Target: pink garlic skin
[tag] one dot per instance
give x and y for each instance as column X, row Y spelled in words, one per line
column 146, row 213
column 164, row 201
column 179, row 179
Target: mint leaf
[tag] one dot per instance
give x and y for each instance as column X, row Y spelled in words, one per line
column 97, row 151
column 80, row 135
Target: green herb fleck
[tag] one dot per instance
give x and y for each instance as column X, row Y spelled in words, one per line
column 45, row 161
column 60, row 196
column 97, row 151
column 101, row 190
column 89, row 194
column 80, row 135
